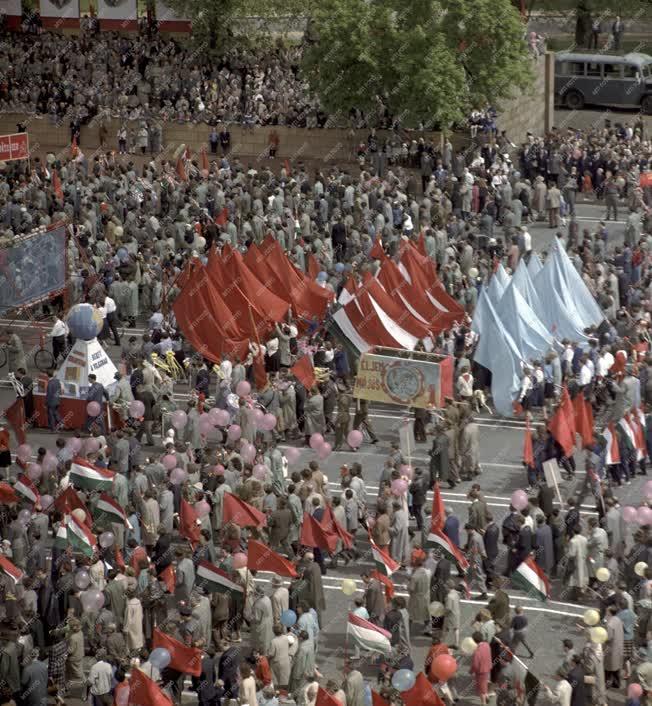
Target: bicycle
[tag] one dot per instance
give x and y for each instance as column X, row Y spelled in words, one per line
column 43, row 358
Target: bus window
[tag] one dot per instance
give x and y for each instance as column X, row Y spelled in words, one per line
column 611, row 70
column 575, row 68
column 629, row 71
column 594, row 70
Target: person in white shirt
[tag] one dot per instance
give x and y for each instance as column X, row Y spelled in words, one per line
column 465, row 384
column 563, row 691
column 111, row 320
column 100, row 680
column 605, row 361
column 586, row 371
column 58, row 335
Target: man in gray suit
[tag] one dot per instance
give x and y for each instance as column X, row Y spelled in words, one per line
column 53, row 400
column 96, row 393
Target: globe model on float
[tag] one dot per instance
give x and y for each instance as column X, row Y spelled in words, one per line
column 84, row 321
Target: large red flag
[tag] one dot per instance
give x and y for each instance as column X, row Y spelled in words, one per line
column 181, row 170
column 15, row 415
column 438, row 517
column 421, row 694
column 528, row 452
column 261, row 558
column 168, row 577
column 304, row 372
column 73, row 147
column 241, row 513
column 387, row 583
column 56, row 185
column 377, row 252
column 562, row 424
column 68, row 500
column 314, row 535
column 222, row 217
column 188, row 526
column 204, row 159
column 378, row 700
column 313, row 267
column 330, row 524
column 182, row 658
column 7, row 494
column 584, row 420
column 143, row 691
column 325, row 698
column 260, row 374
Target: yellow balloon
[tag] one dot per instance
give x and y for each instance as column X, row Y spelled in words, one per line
column 437, row 609
column 602, row 575
column 599, row 635
column 349, row 587
column 591, row 617
column 640, row 568
column 468, row 646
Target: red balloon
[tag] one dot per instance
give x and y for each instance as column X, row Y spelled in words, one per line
column 444, row 667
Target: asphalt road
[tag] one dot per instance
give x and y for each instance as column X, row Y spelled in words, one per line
column 500, row 455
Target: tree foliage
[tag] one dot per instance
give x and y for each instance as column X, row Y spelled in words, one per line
column 428, row 61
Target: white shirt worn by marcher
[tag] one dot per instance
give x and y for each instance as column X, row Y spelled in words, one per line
column 109, row 305
column 60, row 328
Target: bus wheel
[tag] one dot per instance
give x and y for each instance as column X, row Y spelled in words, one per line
column 574, row 100
column 646, row 105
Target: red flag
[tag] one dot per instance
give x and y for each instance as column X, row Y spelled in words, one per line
column 7, row 494
column 584, row 420
column 56, row 185
column 68, row 500
column 304, row 372
column 204, row 159
column 528, row 453
column 421, row 694
column 222, row 217
column 325, row 698
column 377, row 252
column 387, row 583
column 119, row 559
column 438, row 516
column 313, row 267
column 15, row 415
column 314, row 535
column 241, row 513
column 330, row 524
column 73, row 147
column 182, row 658
column 168, row 577
column 562, row 424
column 378, row 700
column 261, row 558
column 188, row 526
column 260, row 374
column 288, row 169
column 143, row 691
column 181, row 170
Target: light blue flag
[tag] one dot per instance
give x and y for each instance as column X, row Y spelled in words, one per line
column 531, row 337
column 557, row 310
column 534, row 265
column 479, row 314
column 501, row 275
column 521, row 279
column 495, row 290
column 498, row 352
column 586, row 306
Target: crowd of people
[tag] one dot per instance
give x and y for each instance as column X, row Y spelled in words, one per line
column 94, row 619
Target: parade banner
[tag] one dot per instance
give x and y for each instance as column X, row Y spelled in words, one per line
column 117, row 14
column 15, row 146
column 402, row 381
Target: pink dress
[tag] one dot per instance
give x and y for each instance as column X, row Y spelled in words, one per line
column 481, row 668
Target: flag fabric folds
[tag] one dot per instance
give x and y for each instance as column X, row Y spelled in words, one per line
column 532, row 579
column 304, row 372
column 182, row 658
column 261, row 558
column 27, row 489
column 241, row 513
column 562, row 424
column 421, row 694
column 314, row 535
column 367, row 636
column 213, row 580
column 85, row 476
column 144, row 691
column 188, row 523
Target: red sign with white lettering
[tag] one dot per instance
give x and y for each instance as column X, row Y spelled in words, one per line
column 14, row 147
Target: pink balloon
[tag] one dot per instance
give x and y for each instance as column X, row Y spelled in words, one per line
column 248, row 452
column 47, row 503
column 205, row 427
column 292, row 453
column 219, row 469
column 91, row 446
column 234, row 432
column 316, row 440
column 75, row 444
column 648, row 488
column 634, row 691
column 202, row 508
column 178, row 476
column 399, row 487
column 214, row 415
column 260, row 471
column 257, row 416
column 136, row 408
column 93, row 409
column 269, row 422
column 239, row 560
column 24, row 452
column 630, row 515
column 644, row 515
column 406, row 470
column 34, row 471
column 179, row 419
column 49, row 463
column 243, row 388
column 324, row 451
column 519, row 499
column 222, row 417
column 169, row 461
column 354, row 439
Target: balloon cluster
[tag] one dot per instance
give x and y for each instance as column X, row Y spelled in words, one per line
column 320, row 446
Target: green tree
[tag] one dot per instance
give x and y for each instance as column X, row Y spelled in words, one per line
column 427, row 61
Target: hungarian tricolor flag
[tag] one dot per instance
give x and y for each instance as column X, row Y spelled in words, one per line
column 186, row 660
column 7, row 494
column 241, row 513
column 261, row 558
column 528, row 452
column 304, row 372
column 27, row 489
column 532, row 580
column 68, row 500
column 144, row 691
column 314, row 535
column 612, row 457
column 168, row 577
column 421, row 694
column 562, row 424
column 330, row 524
column 639, row 426
column 385, row 565
column 438, row 517
column 387, row 583
column 438, row 539
column 526, row 684
column 14, row 573
column 213, row 580
column 367, row 636
column 110, row 509
column 86, row 476
column 79, row 537
column 222, row 217
column 189, row 523
column 584, row 420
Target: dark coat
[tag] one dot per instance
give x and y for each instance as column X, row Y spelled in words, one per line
column 491, row 537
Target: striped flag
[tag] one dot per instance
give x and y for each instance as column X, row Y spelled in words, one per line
column 61, row 538
column 438, row 539
column 27, row 489
column 14, row 573
column 367, row 636
column 86, row 476
column 612, row 457
column 532, row 579
column 79, row 537
column 526, row 684
column 107, row 506
column 214, row 580
column 385, row 565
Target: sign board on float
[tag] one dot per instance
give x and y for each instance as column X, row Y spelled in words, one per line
column 14, row 147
